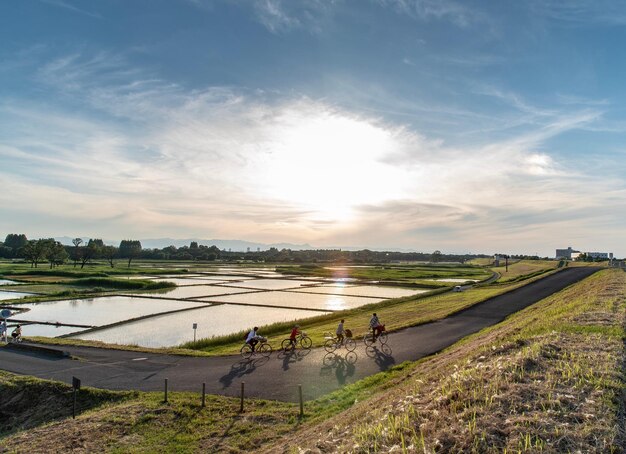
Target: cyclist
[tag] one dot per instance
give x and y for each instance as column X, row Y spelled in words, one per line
column 253, row 337
column 292, row 337
column 17, row 334
column 375, row 326
column 340, row 332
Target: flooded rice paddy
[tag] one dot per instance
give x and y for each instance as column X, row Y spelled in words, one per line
column 100, row 311
column 220, row 300
column 4, row 295
column 175, row 329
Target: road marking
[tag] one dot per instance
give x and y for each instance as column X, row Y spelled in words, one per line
column 139, row 359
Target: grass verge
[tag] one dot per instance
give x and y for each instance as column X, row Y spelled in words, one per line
column 550, row 378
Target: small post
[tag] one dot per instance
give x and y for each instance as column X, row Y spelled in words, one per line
column 165, row 399
column 74, row 405
column 242, row 388
column 203, row 394
column 75, row 388
column 195, row 327
column 301, row 401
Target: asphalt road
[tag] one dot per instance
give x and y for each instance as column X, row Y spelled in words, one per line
column 277, row 377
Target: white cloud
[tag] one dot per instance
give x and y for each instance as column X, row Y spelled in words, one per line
column 146, row 158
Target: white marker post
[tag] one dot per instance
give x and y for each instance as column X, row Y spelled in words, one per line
column 195, row 327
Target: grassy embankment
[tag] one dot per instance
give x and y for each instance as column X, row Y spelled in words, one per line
column 548, row 378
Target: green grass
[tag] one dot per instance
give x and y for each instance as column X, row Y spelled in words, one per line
column 406, row 274
column 550, row 378
column 395, row 314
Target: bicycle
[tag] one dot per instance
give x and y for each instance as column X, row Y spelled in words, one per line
column 262, row 348
column 382, row 337
column 302, row 339
column 332, row 343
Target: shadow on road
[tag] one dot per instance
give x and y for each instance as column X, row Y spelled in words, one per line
column 382, row 356
column 291, row 357
column 242, row 368
column 342, row 366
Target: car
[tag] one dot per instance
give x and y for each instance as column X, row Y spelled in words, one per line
column 458, row 288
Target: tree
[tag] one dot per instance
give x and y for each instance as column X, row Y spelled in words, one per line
column 109, row 253
column 89, row 252
column 76, row 254
column 435, row 256
column 55, row 252
column 35, row 251
column 16, row 242
column 130, row 249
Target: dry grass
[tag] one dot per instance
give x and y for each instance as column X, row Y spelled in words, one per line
column 523, row 268
column 549, row 379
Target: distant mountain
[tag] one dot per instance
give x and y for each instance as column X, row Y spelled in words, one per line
column 233, row 245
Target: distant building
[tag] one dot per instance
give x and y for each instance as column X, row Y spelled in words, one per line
column 571, row 254
column 600, row 255
column 568, row 253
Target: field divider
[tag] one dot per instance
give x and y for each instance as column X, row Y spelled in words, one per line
column 135, row 319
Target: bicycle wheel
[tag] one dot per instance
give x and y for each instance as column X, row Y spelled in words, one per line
column 350, row 344
column 368, row 339
column 306, row 342
column 246, row 351
column 330, row 346
column 383, row 337
column 351, row 357
column 286, row 345
column 265, row 349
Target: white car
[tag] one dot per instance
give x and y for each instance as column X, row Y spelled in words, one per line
column 458, row 288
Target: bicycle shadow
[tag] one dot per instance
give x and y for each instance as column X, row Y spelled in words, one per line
column 341, row 366
column 292, row 356
column 382, row 356
column 242, row 368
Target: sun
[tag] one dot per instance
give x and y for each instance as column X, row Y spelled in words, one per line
column 328, row 164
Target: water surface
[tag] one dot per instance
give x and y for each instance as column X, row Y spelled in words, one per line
column 297, row 300
column 100, row 311
column 174, row 329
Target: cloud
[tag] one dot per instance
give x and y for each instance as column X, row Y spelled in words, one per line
column 69, row 6
column 143, row 157
column 583, row 13
column 447, row 10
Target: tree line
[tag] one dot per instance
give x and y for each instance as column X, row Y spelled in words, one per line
column 81, row 253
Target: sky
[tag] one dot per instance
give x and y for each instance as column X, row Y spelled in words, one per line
column 464, row 127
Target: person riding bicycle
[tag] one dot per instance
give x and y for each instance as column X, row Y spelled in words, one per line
column 376, row 326
column 17, row 334
column 253, row 337
column 292, row 336
column 340, row 331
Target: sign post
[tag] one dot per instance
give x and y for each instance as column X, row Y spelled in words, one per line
column 5, row 314
column 195, row 327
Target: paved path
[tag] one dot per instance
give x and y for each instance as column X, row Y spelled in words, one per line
column 277, row 377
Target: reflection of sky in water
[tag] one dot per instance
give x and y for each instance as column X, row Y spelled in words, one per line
column 270, row 284
column 378, row 291
column 11, row 295
column 47, row 330
column 7, row 282
column 296, row 300
column 99, row 311
column 174, row 329
column 196, row 291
